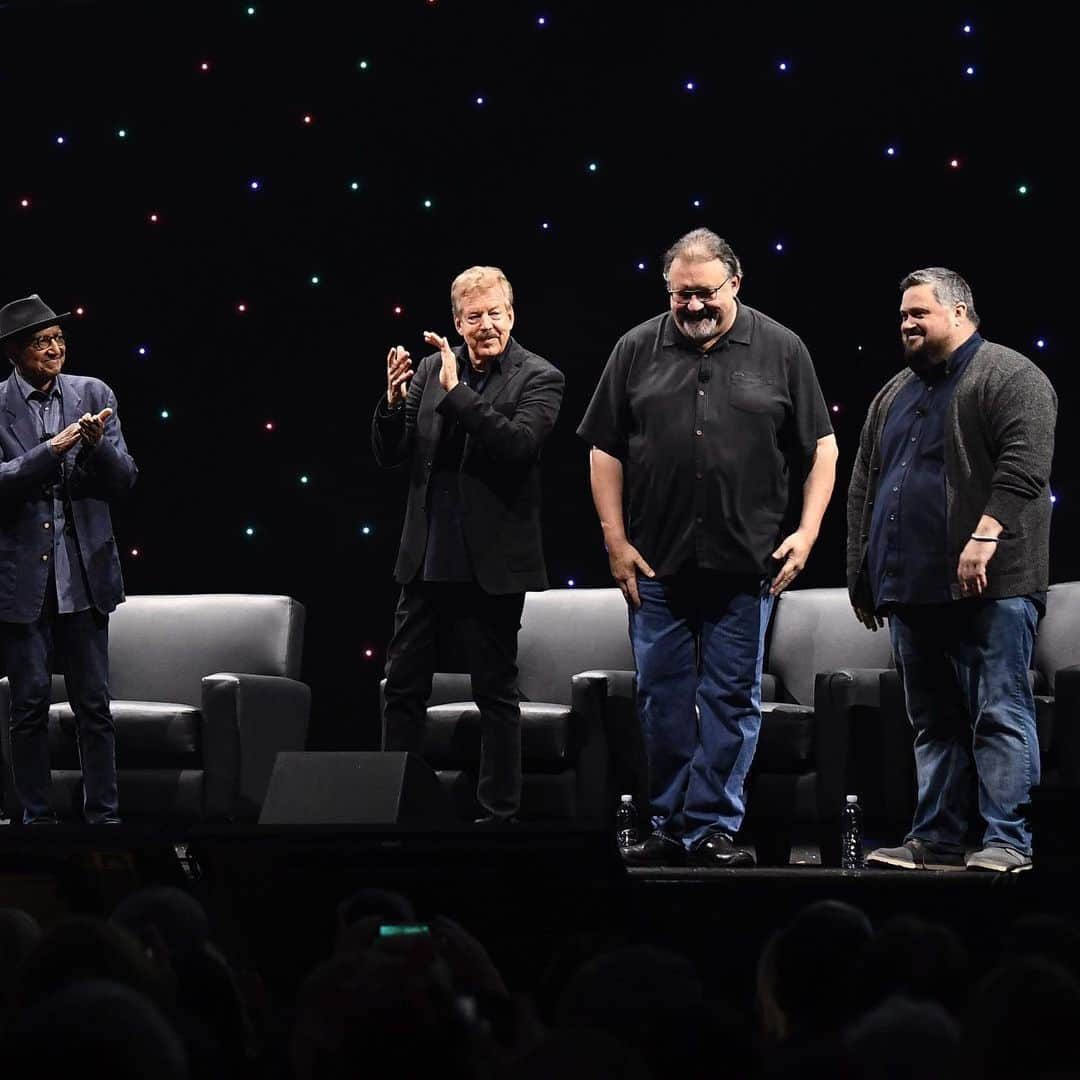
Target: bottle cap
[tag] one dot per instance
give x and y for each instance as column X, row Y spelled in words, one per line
column 851, row 798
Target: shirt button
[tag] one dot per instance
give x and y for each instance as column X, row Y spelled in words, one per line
column 912, row 438
column 903, row 464
column 698, row 432
column 892, row 517
column 46, row 524
column 45, row 557
column 896, row 487
column 701, row 393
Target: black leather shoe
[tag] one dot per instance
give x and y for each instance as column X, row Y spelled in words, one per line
column 655, row 850
column 492, row 819
column 718, row 850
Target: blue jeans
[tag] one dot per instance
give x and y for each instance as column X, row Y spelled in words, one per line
column 699, row 639
column 965, row 671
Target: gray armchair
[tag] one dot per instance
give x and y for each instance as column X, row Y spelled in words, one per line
column 579, row 728
column 820, row 678
column 205, row 693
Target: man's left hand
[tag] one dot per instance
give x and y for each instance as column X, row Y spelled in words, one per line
column 794, row 550
column 971, row 573
column 91, row 428
column 448, row 373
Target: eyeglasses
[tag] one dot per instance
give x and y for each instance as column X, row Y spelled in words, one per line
column 682, row 297
column 42, row 343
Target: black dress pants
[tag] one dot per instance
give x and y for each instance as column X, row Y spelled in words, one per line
column 79, row 643
column 486, row 628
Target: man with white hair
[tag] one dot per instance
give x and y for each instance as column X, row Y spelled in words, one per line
column 470, row 422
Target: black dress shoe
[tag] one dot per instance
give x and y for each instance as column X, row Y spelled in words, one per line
column 655, row 850
column 493, row 819
column 718, row 850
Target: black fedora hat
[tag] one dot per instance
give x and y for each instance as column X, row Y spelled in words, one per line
column 30, row 313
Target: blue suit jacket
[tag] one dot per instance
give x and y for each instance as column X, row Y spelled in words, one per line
column 28, row 471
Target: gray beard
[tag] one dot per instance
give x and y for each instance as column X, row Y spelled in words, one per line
column 700, row 330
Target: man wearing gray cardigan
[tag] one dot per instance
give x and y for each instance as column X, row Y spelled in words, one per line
column 948, row 536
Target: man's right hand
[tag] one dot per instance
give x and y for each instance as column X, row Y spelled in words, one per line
column 868, row 619
column 64, row 440
column 625, row 561
column 398, row 373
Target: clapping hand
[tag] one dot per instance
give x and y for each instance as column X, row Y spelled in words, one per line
column 398, row 373
column 448, row 373
column 91, row 427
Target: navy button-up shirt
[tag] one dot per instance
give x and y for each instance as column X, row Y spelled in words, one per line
column 908, row 532
column 72, row 591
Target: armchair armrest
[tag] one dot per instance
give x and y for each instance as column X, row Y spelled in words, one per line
column 836, row 694
column 247, row 720
column 611, row 760
column 1067, row 724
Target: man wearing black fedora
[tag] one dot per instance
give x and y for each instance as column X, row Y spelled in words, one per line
column 62, row 459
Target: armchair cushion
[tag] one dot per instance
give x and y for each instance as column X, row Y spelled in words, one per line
column 547, row 736
column 157, row 734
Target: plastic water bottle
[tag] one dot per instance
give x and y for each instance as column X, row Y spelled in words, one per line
column 851, row 857
column 626, row 824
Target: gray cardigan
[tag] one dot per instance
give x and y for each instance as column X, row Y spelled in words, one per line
column 999, row 440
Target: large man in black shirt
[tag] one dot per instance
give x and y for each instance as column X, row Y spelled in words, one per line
column 470, row 423
column 705, row 420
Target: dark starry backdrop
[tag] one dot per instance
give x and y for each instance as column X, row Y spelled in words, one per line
column 331, row 166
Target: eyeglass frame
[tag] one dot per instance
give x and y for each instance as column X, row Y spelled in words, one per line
column 674, row 294
column 50, row 339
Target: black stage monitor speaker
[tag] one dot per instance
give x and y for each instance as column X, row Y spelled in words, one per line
column 354, row 788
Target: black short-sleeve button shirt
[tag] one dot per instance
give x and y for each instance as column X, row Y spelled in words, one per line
column 712, row 444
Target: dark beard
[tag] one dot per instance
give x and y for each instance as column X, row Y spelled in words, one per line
column 922, row 360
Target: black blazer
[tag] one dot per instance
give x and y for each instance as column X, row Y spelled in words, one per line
column 500, row 468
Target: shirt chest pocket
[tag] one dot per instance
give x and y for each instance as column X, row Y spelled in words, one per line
column 752, row 393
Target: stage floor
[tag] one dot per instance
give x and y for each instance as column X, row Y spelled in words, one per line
column 272, row 892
